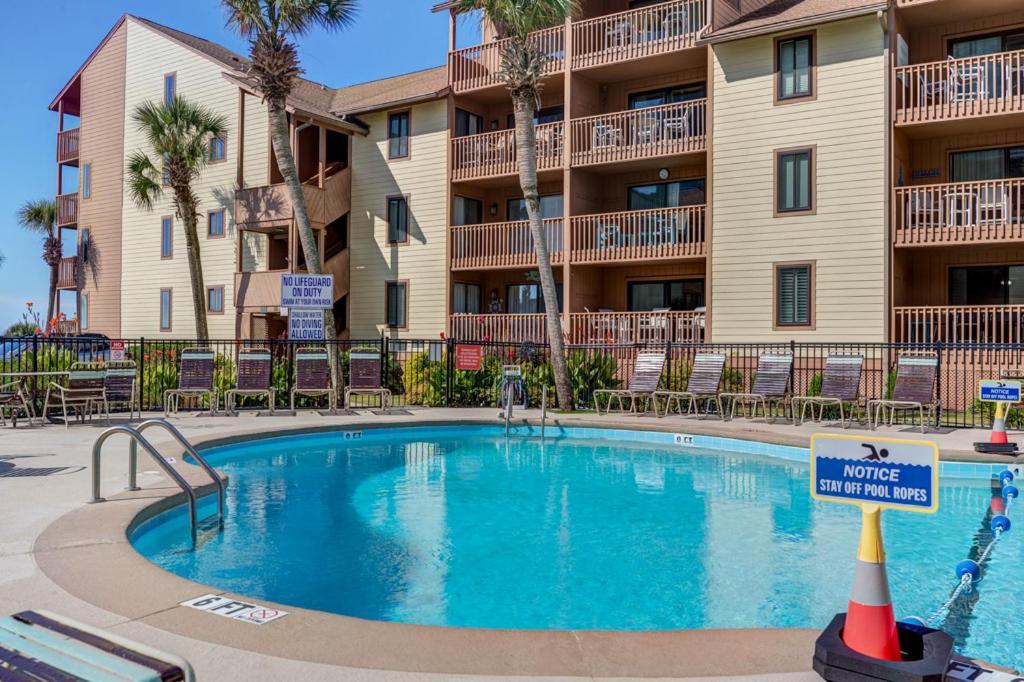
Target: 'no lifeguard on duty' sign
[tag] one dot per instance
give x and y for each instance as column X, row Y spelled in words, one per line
column 893, row 473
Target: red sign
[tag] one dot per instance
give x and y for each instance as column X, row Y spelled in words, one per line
column 117, row 350
column 469, row 357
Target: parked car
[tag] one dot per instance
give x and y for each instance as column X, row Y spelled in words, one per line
column 89, row 347
column 13, row 348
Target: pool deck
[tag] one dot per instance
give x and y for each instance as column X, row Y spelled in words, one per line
column 61, row 554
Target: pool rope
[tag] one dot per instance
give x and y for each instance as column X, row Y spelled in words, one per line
column 969, row 571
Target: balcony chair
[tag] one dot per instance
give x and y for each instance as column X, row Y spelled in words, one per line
column 619, row 34
column 606, row 136
column 993, row 204
column 967, row 82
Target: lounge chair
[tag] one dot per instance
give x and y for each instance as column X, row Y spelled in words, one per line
column 642, row 385
column 840, row 386
column 253, row 377
column 83, row 394
column 702, row 386
column 313, row 377
column 195, row 380
column 14, row 399
column 364, row 372
column 120, row 384
column 771, row 387
column 914, row 390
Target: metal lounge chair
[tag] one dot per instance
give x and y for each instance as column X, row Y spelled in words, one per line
column 195, row 380
column 364, row 371
column 14, row 399
column 702, row 386
column 840, row 386
column 84, row 393
column 771, row 387
column 252, row 378
column 642, row 385
column 313, row 377
column 914, row 390
column 120, row 384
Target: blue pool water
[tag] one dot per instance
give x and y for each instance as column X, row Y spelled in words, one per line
column 457, row 526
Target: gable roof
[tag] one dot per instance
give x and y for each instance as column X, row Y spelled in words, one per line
column 408, row 88
column 780, row 15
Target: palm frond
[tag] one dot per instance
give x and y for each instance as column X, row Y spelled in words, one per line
column 143, row 181
column 245, row 15
column 519, row 18
column 178, row 133
column 38, row 216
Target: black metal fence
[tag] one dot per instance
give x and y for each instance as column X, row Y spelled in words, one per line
column 423, row 372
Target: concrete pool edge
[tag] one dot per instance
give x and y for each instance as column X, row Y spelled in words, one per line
column 87, row 553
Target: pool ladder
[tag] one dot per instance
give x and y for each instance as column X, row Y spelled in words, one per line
column 213, row 521
column 543, row 409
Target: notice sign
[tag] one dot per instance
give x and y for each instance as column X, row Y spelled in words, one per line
column 306, row 325
column 118, row 351
column 469, row 358
column 999, row 391
column 891, row 472
column 237, row 610
column 307, row 291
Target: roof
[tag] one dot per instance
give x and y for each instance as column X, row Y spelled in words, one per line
column 218, row 53
column 779, row 15
column 408, row 88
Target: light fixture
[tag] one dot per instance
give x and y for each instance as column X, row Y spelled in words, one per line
column 494, row 210
column 663, row 173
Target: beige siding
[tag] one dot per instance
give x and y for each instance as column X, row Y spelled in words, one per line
column 102, row 146
column 846, row 238
column 421, row 262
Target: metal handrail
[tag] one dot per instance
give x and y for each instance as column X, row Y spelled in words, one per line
column 543, row 409
column 508, row 405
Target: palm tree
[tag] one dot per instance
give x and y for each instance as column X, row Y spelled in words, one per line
column 271, row 27
column 522, row 71
column 179, row 137
column 40, row 216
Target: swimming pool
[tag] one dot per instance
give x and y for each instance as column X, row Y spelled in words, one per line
column 587, row 529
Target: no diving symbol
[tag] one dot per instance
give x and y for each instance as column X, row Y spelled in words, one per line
column 263, row 614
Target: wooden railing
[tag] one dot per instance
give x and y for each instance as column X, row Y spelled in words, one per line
column 67, row 145
column 494, row 154
column 67, row 273
column 959, row 324
column 255, row 290
column 639, row 235
column 959, row 213
column 502, row 245
column 637, row 33
column 67, row 209
column 271, row 204
column 477, row 67
column 640, row 133
column 514, row 328
column 67, row 327
column 959, row 88
column 583, row 328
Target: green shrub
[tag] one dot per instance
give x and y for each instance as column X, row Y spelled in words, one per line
column 987, row 412
column 677, row 377
column 732, row 381
column 589, row 372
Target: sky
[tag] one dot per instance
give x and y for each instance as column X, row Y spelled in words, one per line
column 48, row 40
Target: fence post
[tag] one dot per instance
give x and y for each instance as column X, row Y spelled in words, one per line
column 449, row 368
column 792, row 367
column 142, row 373
column 384, row 361
column 938, row 384
column 668, row 364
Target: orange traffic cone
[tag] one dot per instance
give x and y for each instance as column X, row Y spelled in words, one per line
column 870, row 627
column 998, row 436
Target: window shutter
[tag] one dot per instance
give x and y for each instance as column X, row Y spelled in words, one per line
column 794, row 295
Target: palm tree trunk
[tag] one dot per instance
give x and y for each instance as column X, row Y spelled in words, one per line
column 189, row 217
column 53, row 293
column 526, row 152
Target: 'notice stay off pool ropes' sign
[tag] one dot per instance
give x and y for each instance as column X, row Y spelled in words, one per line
column 893, row 473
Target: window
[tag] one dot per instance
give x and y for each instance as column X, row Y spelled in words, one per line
column 170, row 87
column 976, row 46
column 468, row 123
column 679, row 294
column 794, row 64
column 527, row 298
column 87, row 181
column 468, row 211
column 398, row 135
column 466, row 298
column 215, row 300
column 85, row 244
column 794, row 181
column 166, row 177
column 398, row 220
column 986, row 164
column 793, row 295
column 986, row 285
column 165, row 310
column 218, row 149
column 215, row 223
column 551, row 206
column 676, row 93
column 397, row 295
column 666, row 195
column 167, row 237
column 545, row 115
column 83, row 312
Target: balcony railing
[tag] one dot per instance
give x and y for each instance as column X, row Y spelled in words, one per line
column 67, row 145
column 255, row 290
column 476, row 67
column 502, row 245
column 959, row 213
column 959, row 324
column 639, row 235
column 960, row 88
column 271, row 204
column 67, row 273
column 67, row 209
column 583, row 328
column 676, row 128
column 637, row 33
column 494, row 154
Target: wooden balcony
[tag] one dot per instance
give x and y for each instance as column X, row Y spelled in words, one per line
column 67, row 327
column 473, row 68
column 67, row 146
column 67, row 209
column 254, row 290
column 583, row 328
column 67, row 273
column 956, row 89
column 270, row 205
column 502, row 245
column 493, row 155
column 959, row 324
column 635, row 34
column 959, row 213
column 678, row 128
column 656, row 234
